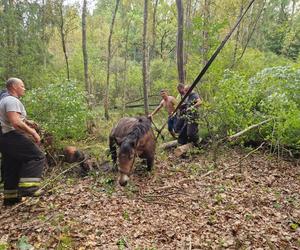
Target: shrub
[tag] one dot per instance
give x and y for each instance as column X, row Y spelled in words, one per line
column 271, row 93
column 59, row 108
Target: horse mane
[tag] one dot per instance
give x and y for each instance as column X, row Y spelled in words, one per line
column 138, row 131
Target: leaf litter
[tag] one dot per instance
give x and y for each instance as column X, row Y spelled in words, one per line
column 185, row 203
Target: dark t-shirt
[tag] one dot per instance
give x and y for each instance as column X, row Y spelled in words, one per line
column 191, row 99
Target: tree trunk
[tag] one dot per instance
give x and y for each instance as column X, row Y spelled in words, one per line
column 63, row 37
column 237, row 38
column 145, row 58
column 154, row 30
column 10, row 34
column 180, row 62
column 84, row 53
column 206, row 16
column 125, row 67
column 253, row 27
column 188, row 24
column 44, row 34
column 109, row 57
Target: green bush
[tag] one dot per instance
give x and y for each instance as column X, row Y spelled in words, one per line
column 271, row 93
column 60, row 108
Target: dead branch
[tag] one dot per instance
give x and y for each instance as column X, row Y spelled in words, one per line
column 168, row 145
column 182, row 149
column 232, row 137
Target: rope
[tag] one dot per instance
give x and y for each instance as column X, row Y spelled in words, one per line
column 207, row 65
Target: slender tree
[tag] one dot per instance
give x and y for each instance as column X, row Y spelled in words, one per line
column 84, row 50
column 63, row 36
column 188, row 25
column 237, row 38
column 180, row 61
column 109, row 57
column 205, row 33
column 145, row 58
column 154, row 28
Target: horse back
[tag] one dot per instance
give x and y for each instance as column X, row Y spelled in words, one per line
column 123, row 128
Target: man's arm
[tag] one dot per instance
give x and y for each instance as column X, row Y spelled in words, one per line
column 198, row 102
column 156, row 110
column 18, row 124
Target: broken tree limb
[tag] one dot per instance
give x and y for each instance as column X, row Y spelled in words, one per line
column 232, row 137
column 168, row 145
column 182, row 149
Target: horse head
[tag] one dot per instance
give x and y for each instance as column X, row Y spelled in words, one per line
column 127, row 154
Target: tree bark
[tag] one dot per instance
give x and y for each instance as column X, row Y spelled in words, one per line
column 84, row 52
column 180, row 61
column 44, row 34
column 237, row 38
column 10, row 37
column 125, row 67
column 188, row 24
column 145, row 59
column 154, row 30
column 253, row 25
column 63, row 37
column 206, row 16
column 109, row 57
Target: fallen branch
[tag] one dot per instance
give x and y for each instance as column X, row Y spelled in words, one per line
column 246, row 156
column 163, row 195
column 247, row 129
column 168, row 145
column 173, row 186
column 182, row 149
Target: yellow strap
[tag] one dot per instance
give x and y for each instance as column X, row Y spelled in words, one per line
column 29, row 184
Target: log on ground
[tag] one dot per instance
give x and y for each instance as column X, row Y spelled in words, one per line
column 179, row 151
column 168, row 145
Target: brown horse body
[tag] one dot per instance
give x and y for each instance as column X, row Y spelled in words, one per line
column 135, row 138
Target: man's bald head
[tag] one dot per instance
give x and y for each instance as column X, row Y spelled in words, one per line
column 13, row 81
column 15, row 87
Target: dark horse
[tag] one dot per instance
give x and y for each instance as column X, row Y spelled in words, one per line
column 135, row 138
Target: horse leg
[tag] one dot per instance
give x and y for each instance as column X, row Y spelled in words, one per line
column 113, row 151
column 150, row 161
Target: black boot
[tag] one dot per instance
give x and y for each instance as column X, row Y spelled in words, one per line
column 11, row 201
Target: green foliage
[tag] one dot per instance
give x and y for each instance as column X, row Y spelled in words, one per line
column 272, row 93
column 65, row 242
column 4, row 246
column 60, row 109
column 122, row 243
column 23, row 244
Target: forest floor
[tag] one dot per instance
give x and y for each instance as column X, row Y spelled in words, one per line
column 237, row 201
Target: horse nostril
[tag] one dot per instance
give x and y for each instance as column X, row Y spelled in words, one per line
column 123, row 184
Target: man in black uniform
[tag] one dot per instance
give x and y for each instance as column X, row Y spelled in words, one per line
column 22, row 160
column 189, row 114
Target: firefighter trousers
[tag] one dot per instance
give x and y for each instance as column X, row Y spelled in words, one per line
column 22, row 165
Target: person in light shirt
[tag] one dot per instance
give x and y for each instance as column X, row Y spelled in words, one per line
column 22, row 160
